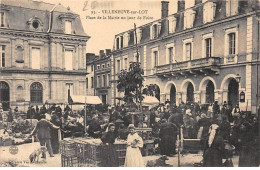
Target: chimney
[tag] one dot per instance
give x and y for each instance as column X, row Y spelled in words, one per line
column 101, row 53
column 181, row 5
column 165, row 10
column 108, row 52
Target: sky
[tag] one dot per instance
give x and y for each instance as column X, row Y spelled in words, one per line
column 103, row 31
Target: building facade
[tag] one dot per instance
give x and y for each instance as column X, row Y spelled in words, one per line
column 207, row 51
column 99, row 77
column 103, row 76
column 42, row 53
column 90, row 86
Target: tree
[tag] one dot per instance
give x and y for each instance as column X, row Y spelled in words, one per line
column 131, row 83
column 152, row 90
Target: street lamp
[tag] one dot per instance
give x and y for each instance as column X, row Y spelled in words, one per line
column 238, row 78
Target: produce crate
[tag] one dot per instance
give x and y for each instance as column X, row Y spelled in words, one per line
column 69, row 161
column 191, row 145
column 68, row 148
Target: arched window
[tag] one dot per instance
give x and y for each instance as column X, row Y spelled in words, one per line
column 36, row 91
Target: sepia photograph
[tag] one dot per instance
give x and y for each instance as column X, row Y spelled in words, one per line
column 129, row 83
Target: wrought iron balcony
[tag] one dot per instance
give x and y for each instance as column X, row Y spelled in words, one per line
column 197, row 66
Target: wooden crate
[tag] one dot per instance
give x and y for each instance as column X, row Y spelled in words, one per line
column 69, row 161
column 68, row 148
column 192, row 145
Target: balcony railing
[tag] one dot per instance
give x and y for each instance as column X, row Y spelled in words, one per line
column 188, row 65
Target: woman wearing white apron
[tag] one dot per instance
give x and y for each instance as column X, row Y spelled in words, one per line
column 133, row 154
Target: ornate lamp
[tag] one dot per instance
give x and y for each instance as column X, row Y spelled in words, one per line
column 238, row 78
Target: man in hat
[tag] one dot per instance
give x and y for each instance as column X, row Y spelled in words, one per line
column 94, row 129
column 189, row 125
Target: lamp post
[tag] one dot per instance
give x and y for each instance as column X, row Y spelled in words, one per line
column 238, row 79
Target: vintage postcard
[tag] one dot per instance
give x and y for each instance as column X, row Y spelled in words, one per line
column 120, row 83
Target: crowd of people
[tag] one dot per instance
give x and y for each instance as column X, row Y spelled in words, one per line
column 223, row 130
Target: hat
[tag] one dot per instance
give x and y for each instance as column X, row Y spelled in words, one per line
column 188, row 112
column 110, row 124
column 131, row 126
column 119, row 121
column 203, row 115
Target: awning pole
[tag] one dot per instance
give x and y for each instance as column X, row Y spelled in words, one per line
column 85, row 116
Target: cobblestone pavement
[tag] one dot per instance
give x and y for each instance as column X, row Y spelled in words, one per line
column 22, row 158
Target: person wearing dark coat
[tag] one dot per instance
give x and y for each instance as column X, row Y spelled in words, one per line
column 205, row 123
column 114, row 116
column 94, row 129
column 54, row 133
column 247, row 147
column 225, row 129
column 37, row 108
column 152, row 117
column 216, row 108
column 168, row 137
column 166, row 115
column 122, row 132
column 108, row 152
column 10, row 117
column 43, row 131
column 214, row 149
column 176, row 118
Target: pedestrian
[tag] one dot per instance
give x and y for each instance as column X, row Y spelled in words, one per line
column 210, row 111
column 10, row 117
column 216, row 109
column 225, row 128
column 189, row 125
column 43, row 131
column 109, row 154
column 236, row 111
column 203, row 124
column 55, row 133
column 168, row 136
column 214, row 148
column 94, row 129
column 122, row 132
column 133, row 156
column 247, row 146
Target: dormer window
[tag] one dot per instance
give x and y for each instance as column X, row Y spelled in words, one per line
column 35, row 24
column 172, row 24
column 126, row 39
column 155, row 30
column 189, row 16
column 68, row 27
column 209, row 10
column 139, row 35
column 117, row 42
column 231, row 7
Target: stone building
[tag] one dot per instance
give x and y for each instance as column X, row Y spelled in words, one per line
column 205, row 51
column 100, row 77
column 91, row 73
column 42, row 53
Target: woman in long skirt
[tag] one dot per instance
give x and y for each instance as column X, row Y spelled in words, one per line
column 108, row 152
column 133, row 154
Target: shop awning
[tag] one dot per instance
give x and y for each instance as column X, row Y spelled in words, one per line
column 57, row 101
column 87, row 99
column 150, row 101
